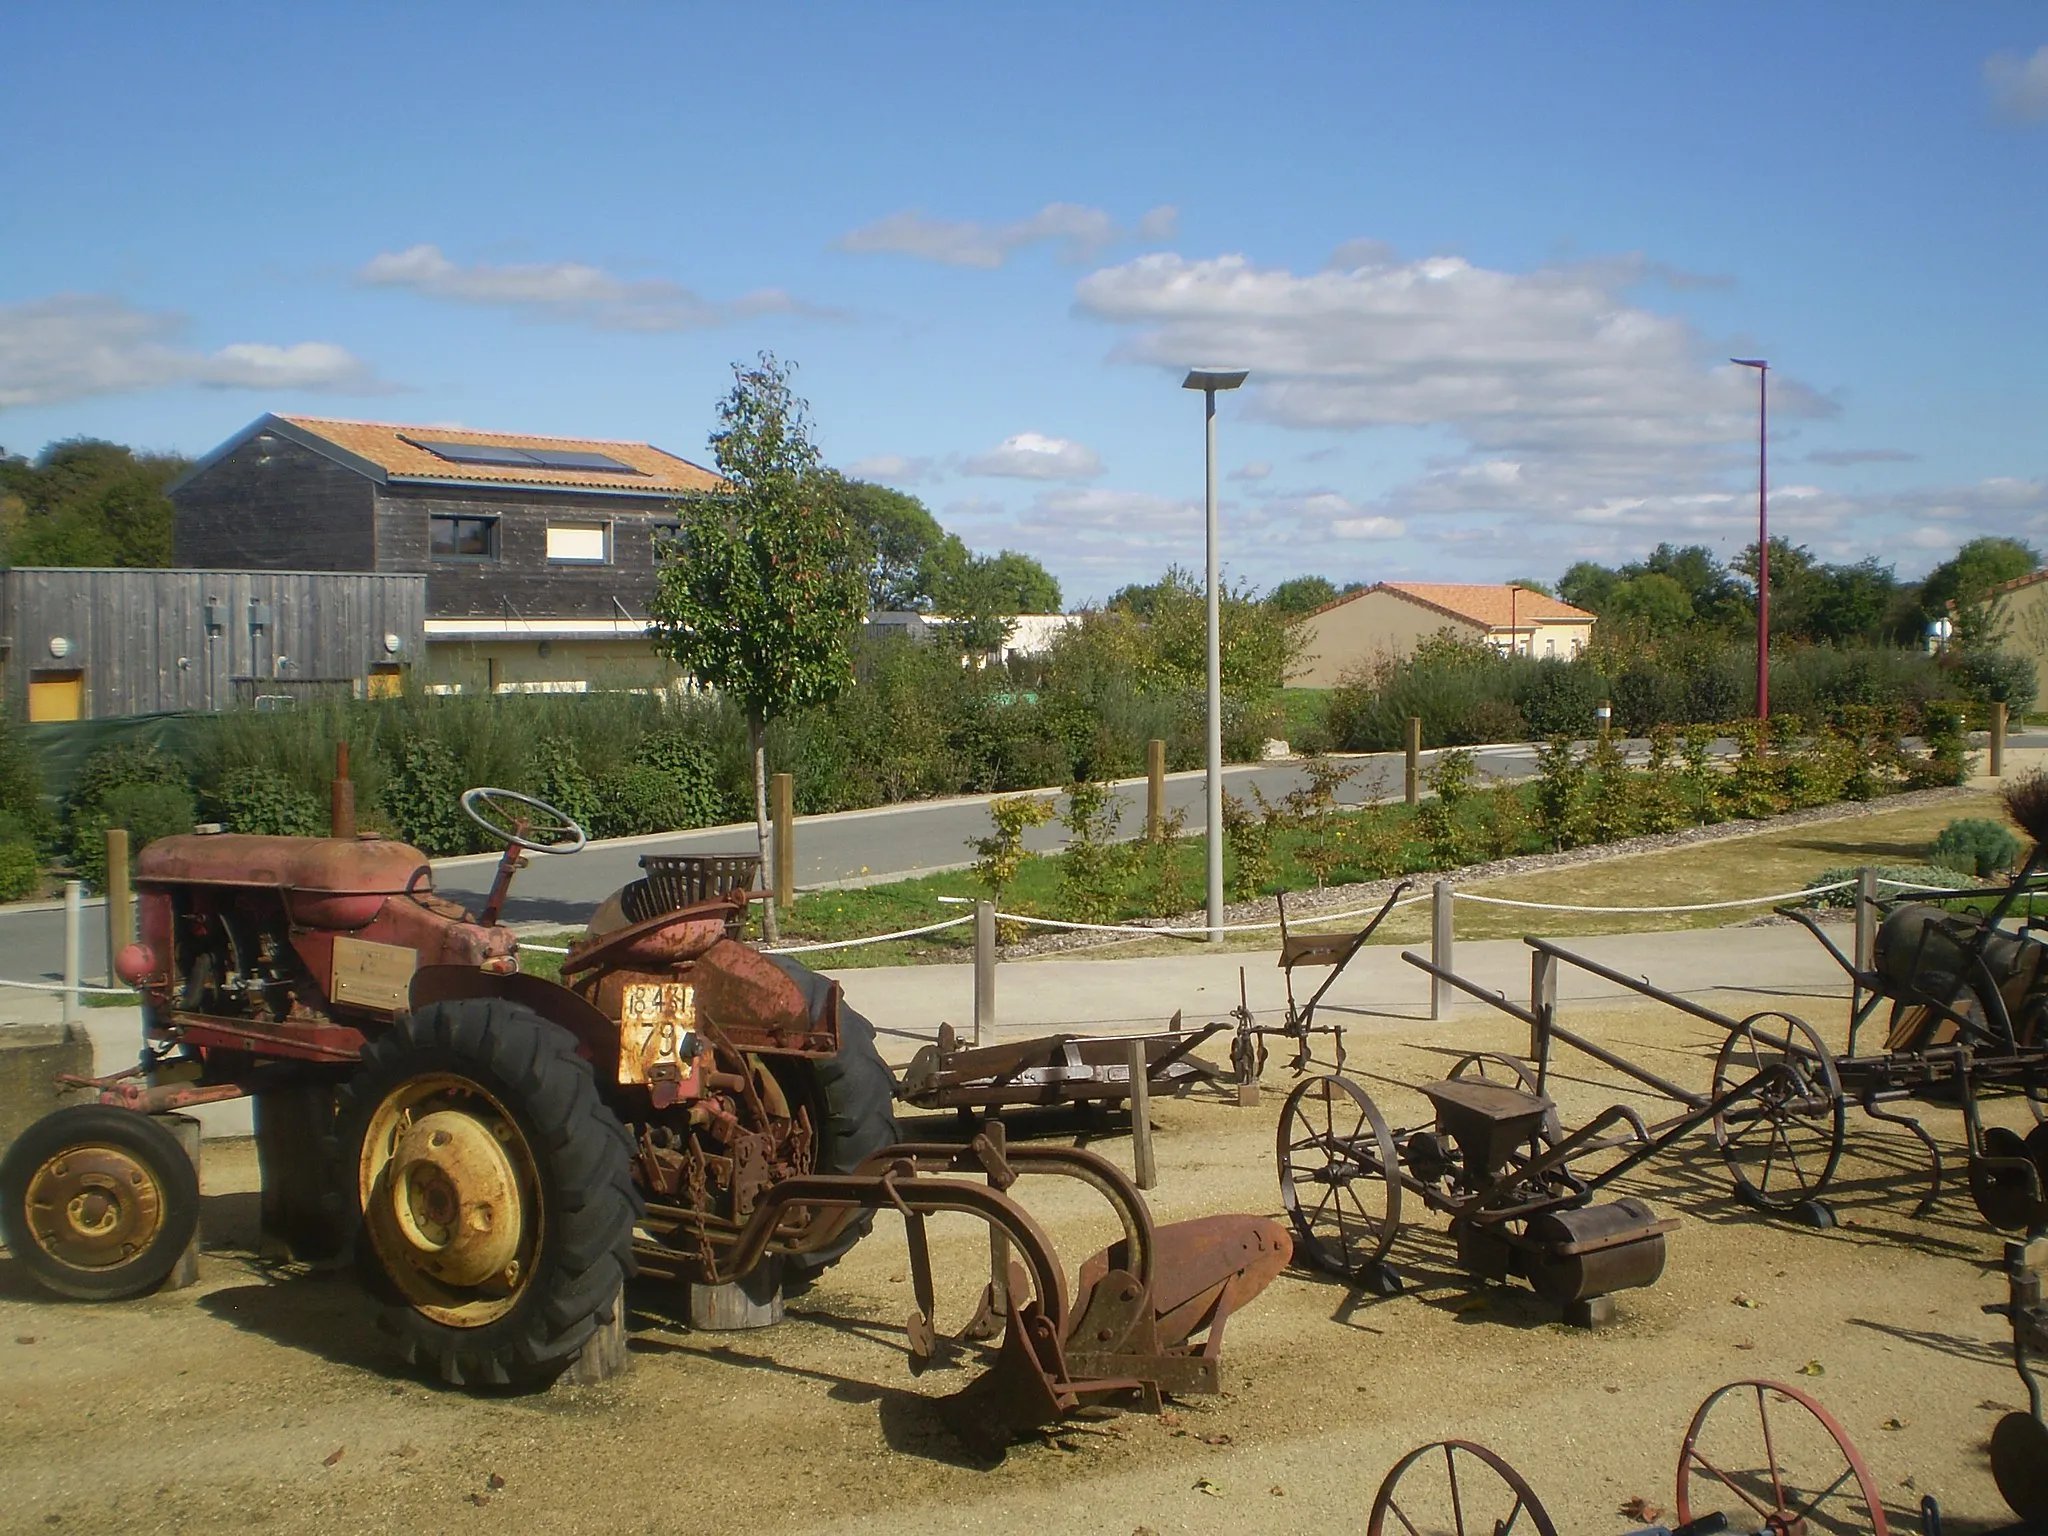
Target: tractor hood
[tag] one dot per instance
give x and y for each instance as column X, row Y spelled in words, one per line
column 350, row 866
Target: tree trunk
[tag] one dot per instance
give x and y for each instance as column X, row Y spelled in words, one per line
column 757, row 740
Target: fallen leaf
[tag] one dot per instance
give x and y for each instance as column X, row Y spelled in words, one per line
column 1813, row 1368
column 1640, row 1508
column 24, row 1338
column 494, row 1482
column 339, row 1452
column 1743, row 1301
column 1277, row 1491
column 478, row 1500
column 1470, row 1304
column 1893, row 1424
column 1993, row 1405
column 1204, row 1485
column 1169, row 1418
column 1218, row 1439
column 1610, row 1389
column 1143, row 1530
column 404, row 1448
column 1907, row 1481
column 1747, row 1344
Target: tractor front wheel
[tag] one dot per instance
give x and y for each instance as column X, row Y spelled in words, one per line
column 495, row 1191
column 98, row 1203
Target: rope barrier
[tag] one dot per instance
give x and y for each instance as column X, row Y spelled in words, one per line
column 878, row 938
column 1700, row 906
column 58, row 986
column 1144, row 929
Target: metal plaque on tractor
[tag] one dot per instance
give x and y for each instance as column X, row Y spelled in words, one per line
column 372, row 975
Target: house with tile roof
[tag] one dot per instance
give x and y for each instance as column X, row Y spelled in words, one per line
column 538, row 553
column 1387, row 622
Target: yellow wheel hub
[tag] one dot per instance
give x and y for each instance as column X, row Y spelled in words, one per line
column 94, row 1207
column 451, row 1199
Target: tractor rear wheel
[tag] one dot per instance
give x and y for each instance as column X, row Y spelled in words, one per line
column 494, row 1187
column 97, row 1202
column 854, row 1095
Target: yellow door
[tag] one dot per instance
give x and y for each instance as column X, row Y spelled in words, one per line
column 57, row 696
column 387, row 680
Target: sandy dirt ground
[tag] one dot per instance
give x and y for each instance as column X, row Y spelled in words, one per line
column 264, row 1399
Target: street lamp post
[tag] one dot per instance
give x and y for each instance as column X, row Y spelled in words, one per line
column 1209, row 381
column 1763, row 540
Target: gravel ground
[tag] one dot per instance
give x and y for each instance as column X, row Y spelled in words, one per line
column 262, row 1399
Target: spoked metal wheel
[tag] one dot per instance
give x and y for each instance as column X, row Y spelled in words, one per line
column 1771, row 1458
column 1509, row 1072
column 1340, row 1176
column 1456, row 1488
column 1783, row 1140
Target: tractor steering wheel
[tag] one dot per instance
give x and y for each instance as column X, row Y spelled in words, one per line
column 561, row 830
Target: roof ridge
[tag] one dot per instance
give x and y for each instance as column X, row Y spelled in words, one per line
column 409, row 427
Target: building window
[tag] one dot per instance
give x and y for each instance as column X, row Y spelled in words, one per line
column 580, row 543
column 463, row 538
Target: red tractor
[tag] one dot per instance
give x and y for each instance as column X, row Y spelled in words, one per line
column 502, row 1151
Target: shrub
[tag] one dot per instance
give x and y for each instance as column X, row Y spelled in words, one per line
column 1976, row 847
column 1002, row 853
column 1251, row 847
column 671, row 785
column 1930, row 876
column 21, row 870
column 124, row 763
column 255, row 798
column 1561, row 794
column 147, row 811
column 1167, row 867
column 1945, row 760
column 561, row 780
column 424, row 799
column 1449, row 777
column 1093, row 866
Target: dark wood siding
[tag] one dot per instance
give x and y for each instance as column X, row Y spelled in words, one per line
column 273, row 505
column 520, row 581
column 143, row 640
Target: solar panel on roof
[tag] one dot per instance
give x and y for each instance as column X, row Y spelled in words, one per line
column 576, row 458
column 476, row 453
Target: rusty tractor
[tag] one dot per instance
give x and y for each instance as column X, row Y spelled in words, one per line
column 499, row 1151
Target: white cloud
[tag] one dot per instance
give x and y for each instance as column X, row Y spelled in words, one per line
column 73, row 345
column 1257, row 469
column 2019, row 87
column 1368, row 528
column 574, row 291
column 1081, row 233
column 892, row 468
column 1034, row 456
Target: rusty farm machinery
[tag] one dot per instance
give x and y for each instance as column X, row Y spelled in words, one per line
column 500, row 1151
column 1758, row 1458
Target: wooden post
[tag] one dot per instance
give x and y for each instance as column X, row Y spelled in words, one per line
column 984, row 971
column 120, row 900
column 186, row 1130
column 1440, row 948
column 1155, row 790
column 1998, row 741
column 74, row 917
column 1542, row 1003
column 1604, row 713
column 1413, row 781
column 1143, row 1168
column 782, row 803
column 341, row 796
column 1866, row 930
column 752, row 1301
column 603, row 1354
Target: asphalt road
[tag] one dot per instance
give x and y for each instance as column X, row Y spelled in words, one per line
column 846, row 847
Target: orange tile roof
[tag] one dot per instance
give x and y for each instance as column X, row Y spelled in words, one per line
column 1494, row 607
column 384, row 444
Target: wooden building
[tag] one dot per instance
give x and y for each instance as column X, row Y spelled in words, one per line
column 87, row 644
column 538, row 553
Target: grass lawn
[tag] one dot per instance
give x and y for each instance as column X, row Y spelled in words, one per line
column 1300, row 710
column 1755, row 864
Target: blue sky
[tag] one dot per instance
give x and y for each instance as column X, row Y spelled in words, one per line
column 1485, row 261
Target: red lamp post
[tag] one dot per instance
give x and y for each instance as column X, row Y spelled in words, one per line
column 1763, row 540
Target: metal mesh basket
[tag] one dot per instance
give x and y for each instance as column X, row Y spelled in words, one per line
column 673, row 882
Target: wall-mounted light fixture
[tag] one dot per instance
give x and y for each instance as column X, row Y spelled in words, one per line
column 59, row 647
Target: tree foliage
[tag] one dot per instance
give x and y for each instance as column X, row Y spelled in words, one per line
column 85, row 502
column 759, row 593
column 1303, row 594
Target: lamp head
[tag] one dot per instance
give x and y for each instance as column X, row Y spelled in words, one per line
column 1214, row 378
column 1749, row 362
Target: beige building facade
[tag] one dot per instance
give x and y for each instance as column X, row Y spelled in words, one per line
column 1388, row 621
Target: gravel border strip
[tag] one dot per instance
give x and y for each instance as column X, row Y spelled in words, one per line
column 1339, row 898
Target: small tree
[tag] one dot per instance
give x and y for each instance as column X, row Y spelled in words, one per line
column 761, row 592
